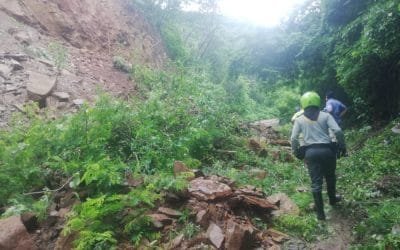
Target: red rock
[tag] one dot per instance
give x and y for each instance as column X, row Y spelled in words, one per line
column 13, row 235
column 215, row 235
column 234, row 236
column 208, row 189
column 169, row 212
column 253, row 201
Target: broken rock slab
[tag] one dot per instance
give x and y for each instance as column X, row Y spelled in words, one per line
column 40, row 85
column 236, row 235
column 13, row 235
column 204, row 189
column 61, row 96
column 169, row 212
column 215, row 235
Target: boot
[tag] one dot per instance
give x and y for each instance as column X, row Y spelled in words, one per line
column 319, row 205
column 333, row 198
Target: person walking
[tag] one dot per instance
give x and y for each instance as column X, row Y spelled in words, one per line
column 335, row 107
column 318, row 151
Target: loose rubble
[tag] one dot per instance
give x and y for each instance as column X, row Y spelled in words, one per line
column 224, row 211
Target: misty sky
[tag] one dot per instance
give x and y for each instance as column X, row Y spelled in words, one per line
column 267, row 13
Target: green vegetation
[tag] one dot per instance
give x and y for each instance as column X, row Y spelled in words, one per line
column 221, row 75
column 58, row 54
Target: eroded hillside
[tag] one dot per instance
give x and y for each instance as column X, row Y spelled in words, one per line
column 60, row 53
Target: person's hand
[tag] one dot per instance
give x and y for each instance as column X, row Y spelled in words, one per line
column 300, row 153
column 341, row 152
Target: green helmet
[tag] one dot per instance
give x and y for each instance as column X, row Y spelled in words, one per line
column 310, row 99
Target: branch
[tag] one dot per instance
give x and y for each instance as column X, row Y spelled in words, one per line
column 54, row 190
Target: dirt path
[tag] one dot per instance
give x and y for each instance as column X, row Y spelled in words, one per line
column 339, row 229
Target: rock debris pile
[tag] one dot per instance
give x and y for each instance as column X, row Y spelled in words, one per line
column 224, row 215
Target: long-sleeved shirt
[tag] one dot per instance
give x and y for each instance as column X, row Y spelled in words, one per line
column 315, row 132
column 335, row 108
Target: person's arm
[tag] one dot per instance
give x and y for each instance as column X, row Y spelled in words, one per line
column 332, row 124
column 344, row 110
column 294, row 138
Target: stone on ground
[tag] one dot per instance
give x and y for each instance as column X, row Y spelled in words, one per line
column 215, row 235
column 13, row 235
column 284, row 203
column 40, row 85
column 204, row 189
column 61, row 96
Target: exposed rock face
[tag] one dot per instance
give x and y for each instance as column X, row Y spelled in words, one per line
column 75, row 40
column 13, row 235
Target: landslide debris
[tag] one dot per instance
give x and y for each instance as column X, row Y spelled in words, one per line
column 224, row 213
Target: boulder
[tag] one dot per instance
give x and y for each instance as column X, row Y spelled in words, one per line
column 40, row 85
column 13, row 235
column 215, row 235
column 208, row 189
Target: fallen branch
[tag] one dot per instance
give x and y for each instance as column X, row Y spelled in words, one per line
column 54, row 190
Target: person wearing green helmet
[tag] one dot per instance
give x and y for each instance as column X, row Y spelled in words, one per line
column 318, row 152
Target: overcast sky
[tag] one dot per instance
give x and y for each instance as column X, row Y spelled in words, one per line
column 267, row 13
